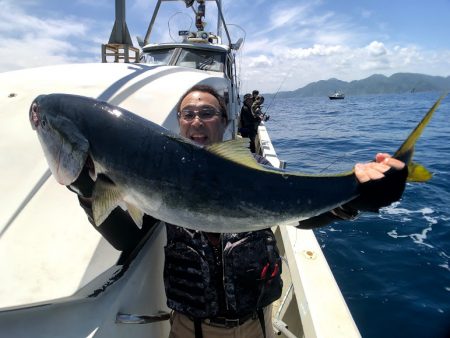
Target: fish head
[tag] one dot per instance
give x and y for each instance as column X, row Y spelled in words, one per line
column 65, row 148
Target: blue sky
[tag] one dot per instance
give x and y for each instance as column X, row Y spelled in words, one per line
column 289, row 43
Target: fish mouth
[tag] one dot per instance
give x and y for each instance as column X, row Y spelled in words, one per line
column 34, row 115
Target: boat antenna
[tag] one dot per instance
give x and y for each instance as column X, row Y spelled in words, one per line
column 170, row 19
column 120, row 44
column 120, row 34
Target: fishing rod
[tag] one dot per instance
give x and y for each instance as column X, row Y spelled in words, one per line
column 340, row 157
column 273, row 99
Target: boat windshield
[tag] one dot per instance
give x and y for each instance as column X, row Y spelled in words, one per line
column 202, row 59
column 158, row 57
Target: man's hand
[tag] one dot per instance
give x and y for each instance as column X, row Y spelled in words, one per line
column 382, row 183
column 375, row 170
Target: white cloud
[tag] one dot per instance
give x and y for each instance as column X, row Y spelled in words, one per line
column 283, row 18
column 292, row 42
column 316, row 50
column 30, row 41
column 376, row 49
column 321, row 62
column 287, row 15
column 14, row 21
column 259, row 61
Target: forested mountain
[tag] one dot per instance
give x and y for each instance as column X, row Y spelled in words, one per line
column 375, row 84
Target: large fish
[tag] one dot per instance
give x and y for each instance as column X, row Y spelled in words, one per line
column 147, row 169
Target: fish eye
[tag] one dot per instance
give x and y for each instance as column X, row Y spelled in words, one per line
column 44, row 122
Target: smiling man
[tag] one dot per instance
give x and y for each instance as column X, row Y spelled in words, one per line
column 202, row 115
column 213, row 290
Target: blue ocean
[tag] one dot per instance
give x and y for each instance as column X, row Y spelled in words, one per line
column 392, row 267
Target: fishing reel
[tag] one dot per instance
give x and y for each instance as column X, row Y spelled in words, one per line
column 264, row 117
column 257, row 108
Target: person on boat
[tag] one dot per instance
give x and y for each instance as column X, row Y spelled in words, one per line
column 255, row 94
column 223, row 285
column 257, row 110
column 249, row 121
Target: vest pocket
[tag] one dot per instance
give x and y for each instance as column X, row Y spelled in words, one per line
column 187, row 281
column 252, row 272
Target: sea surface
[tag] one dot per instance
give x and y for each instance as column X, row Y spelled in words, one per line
column 392, row 267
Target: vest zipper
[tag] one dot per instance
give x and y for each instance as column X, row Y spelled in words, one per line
column 223, row 272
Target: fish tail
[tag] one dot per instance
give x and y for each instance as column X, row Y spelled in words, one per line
column 418, row 173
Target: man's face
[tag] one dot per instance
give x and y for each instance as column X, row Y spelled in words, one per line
column 199, row 131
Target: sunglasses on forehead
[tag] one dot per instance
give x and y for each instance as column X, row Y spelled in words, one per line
column 203, row 113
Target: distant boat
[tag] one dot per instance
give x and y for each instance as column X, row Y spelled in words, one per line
column 336, row 96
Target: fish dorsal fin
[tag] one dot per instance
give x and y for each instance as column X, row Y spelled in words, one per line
column 236, row 151
column 416, row 172
column 406, row 150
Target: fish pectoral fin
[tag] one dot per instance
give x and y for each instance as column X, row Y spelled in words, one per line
column 418, row 173
column 105, row 198
column 136, row 214
column 236, row 151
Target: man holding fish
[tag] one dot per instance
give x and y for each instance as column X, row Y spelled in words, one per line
column 255, row 275
column 219, row 283
column 225, row 283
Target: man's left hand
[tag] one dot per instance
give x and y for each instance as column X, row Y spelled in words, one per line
column 375, row 170
column 381, row 182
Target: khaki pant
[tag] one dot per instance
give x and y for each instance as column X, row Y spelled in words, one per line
column 183, row 327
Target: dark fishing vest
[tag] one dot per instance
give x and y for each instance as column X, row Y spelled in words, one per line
column 234, row 278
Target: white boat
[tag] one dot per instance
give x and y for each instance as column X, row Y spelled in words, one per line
column 337, row 95
column 59, row 277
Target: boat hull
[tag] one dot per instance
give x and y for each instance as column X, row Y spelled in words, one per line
column 93, row 311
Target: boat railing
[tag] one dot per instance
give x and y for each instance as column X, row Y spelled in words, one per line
column 120, row 52
column 266, row 149
column 309, row 285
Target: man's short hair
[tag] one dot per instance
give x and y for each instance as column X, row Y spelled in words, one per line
column 247, row 96
column 210, row 90
column 255, row 93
